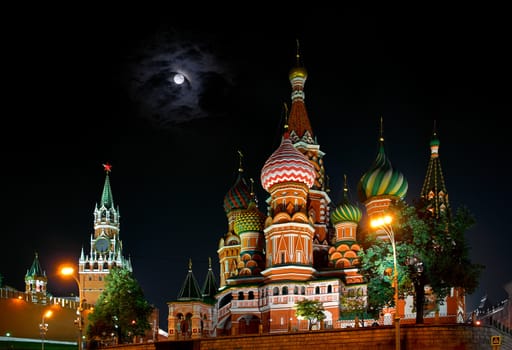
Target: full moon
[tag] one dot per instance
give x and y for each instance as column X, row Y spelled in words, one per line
column 179, row 78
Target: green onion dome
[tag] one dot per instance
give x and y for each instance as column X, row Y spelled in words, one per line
column 287, row 164
column 250, row 219
column 346, row 212
column 238, row 196
column 382, row 179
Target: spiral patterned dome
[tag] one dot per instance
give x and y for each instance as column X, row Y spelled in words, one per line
column 346, row 212
column 382, row 179
column 238, row 196
column 287, row 164
column 249, row 220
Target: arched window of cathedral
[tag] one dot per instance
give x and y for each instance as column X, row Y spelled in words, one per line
column 329, row 289
column 275, row 291
column 317, row 290
column 105, row 266
column 87, row 265
column 251, row 295
column 226, row 300
column 95, row 266
column 285, row 290
column 296, row 290
column 303, row 291
column 240, row 295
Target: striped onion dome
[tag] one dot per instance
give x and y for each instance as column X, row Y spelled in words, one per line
column 346, row 211
column 287, row 164
column 250, row 219
column 382, row 179
column 238, row 196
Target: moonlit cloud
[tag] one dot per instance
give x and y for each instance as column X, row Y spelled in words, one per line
column 149, row 74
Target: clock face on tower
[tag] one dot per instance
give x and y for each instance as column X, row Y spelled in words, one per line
column 101, row 245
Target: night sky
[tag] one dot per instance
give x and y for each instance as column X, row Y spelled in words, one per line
column 95, row 86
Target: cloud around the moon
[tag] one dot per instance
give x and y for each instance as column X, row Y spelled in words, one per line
column 148, row 77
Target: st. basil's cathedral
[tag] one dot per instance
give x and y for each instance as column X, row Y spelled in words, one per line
column 301, row 246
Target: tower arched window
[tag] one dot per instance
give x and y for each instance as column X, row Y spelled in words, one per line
column 329, row 289
column 317, row 290
column 295, row 290
column 240, row 295
column 285, row 290
column 303, row 291
column 95, row 266
column 250, row 296
column 275, row 291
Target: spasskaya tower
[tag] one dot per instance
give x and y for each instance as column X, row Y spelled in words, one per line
column 106, row 248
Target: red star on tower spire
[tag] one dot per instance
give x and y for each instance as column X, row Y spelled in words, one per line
column 107, row 167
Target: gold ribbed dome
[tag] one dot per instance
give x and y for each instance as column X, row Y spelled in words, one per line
column 298, row 72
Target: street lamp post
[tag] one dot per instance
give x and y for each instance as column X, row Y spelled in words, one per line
column 385, row 224
column 69, row 271
column 43, row 326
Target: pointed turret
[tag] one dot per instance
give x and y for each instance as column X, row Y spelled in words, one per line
column 106, row 217
column 434, row 193
column 35, row 269
column 210, row 285
column 36, row 281
column 107, row 200
column 302, row 138
column 298, row 123
column 190, row 288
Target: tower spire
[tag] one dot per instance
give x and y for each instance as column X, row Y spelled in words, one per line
column 381, row 130
column 107, row 199
column 297, row 55
column 433, row 191
column 286, row 115
column 241, row 156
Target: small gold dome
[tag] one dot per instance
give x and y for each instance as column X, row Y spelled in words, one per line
column 298, row 72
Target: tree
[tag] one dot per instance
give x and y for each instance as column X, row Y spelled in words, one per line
column 430, row 252
column 121, row 309
column 311, row 310
column 377, row 268
column 353, row 306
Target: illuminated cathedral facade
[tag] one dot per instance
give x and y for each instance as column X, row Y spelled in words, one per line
column 301, row 246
